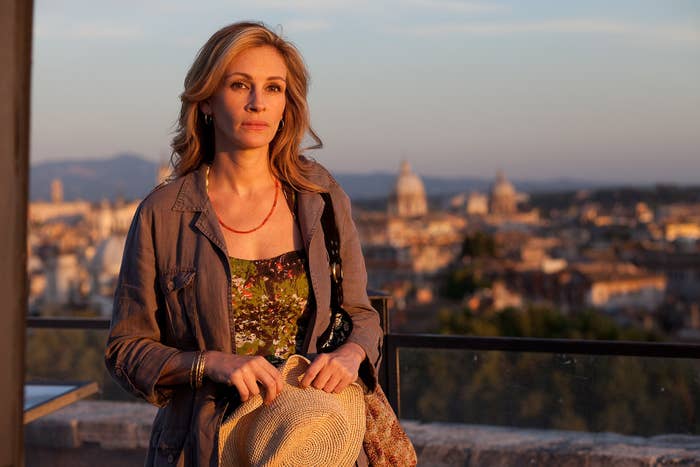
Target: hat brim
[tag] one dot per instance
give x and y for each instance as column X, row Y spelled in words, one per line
column 234, row 434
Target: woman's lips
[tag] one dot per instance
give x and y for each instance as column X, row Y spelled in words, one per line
column 255, row 125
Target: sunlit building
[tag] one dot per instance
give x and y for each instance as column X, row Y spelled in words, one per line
column 408, row 198
column 104, row 269
column 503, row 196
column 407, row 243
column 682, row 230
column 477, row 204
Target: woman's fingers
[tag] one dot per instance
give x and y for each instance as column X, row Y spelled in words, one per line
column 279, row 380
column 323, row 377
column 246, row 372
column 269, row 382
column 338, row 374
column 313, row 370
column 251, row 381
column 330, row 372
column 332, row 383
column 240, row 385
column 268, row 376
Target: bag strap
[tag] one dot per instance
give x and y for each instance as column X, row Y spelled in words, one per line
column 332, row 237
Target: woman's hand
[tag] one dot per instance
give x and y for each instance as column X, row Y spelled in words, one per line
column 334, row 371
column 244, row 372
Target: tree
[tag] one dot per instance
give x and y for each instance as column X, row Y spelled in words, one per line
column 479, row 245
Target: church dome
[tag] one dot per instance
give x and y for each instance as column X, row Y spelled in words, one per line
column 408, row 198
column 408, row 183
column 502, row 187
column 503, row 195
column 108, row 255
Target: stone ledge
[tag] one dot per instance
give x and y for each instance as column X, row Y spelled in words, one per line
column 443, row 444
column 114, row 429
column 111, row 425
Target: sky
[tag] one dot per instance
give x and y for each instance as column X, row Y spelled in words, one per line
column 600, row 90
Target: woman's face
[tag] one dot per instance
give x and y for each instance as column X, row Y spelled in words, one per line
column 249, row 103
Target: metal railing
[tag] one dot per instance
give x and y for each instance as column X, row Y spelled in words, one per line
column 389, row 376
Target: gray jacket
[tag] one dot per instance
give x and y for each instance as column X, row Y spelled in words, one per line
column 174, row 294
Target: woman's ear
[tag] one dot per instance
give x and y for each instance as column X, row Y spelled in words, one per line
column 204, row 107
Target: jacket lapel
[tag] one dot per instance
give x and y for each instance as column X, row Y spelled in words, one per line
column 209, row 226
column 193, row 197
column 310, row 209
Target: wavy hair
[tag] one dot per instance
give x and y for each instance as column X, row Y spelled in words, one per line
column 193, row 143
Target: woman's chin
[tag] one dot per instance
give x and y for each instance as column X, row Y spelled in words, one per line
column 251, row 143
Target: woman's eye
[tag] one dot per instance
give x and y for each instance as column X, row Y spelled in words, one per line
column 275, row 88
column 238, row 85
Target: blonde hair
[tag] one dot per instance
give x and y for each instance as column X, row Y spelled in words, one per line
column 193, row 143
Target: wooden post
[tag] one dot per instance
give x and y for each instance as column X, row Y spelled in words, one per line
column 15, row 64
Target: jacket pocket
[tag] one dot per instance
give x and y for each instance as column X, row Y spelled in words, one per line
column 167, row 447
column 181, row 305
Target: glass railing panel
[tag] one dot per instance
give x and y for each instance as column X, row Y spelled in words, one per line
column 627, row 395
column 75, row 355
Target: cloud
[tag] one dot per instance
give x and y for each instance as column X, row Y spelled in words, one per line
column 89, row 31
column 675, row 33
column 310, row 25
column 457, row 6
column 310, row 4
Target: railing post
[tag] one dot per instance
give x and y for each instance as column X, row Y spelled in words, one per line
column 15, row 83
column 389, row 368
column 391, row 363
column 380, row 302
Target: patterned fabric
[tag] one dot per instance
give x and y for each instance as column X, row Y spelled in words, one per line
column 271, row 305
column 385, row 442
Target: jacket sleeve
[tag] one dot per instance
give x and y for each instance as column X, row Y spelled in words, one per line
column 134, row 355
column 367, row 331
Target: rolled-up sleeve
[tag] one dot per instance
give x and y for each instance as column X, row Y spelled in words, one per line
column 134, row 354
column 367, row 331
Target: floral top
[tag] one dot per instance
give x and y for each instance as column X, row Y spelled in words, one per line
column 271, row 303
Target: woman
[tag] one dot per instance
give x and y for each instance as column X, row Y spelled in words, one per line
column 225, row 269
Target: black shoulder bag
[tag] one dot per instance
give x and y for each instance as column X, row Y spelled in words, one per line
column 340, row 325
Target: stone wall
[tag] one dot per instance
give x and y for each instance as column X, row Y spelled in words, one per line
column 445, row 444
column 111, row 434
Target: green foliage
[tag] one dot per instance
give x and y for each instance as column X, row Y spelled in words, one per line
column 462, row 281
column 465, row 278
column 540, row 321
column 630, row 395
column 479, row 245
column 65, row 355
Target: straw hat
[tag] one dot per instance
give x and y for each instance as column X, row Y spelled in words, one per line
column 302, row 427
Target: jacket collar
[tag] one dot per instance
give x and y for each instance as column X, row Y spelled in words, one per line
column 192, row 197
column 193, row 191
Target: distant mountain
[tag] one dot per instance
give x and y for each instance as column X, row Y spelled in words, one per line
column 126, row 175
column 379, row 185
column 131, row 176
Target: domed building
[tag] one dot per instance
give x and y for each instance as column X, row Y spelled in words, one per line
column 408, row 196
column 503, row 196
column 104, row 269
column 477, row 204
column 108, row 256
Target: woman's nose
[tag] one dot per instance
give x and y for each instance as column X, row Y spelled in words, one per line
column 256, row 102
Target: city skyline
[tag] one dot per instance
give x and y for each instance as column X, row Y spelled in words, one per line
column 456, row 88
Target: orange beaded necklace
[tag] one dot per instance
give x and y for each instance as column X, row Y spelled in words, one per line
column 269, row 214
